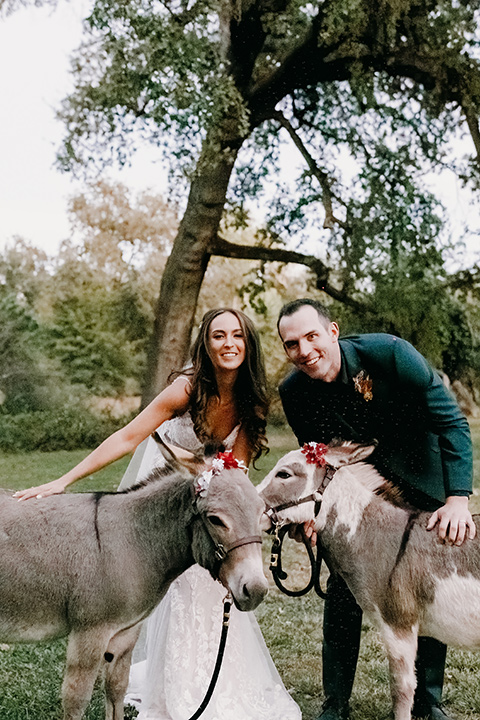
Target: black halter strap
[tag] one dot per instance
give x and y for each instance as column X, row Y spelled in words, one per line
column 221, row 550
column 273, row 510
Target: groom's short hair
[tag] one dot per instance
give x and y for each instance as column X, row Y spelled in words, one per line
column 291, row 307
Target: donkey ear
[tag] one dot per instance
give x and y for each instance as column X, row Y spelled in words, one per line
column 178, row 458
column 348, row 453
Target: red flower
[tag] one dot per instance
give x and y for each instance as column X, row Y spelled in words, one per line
column 229, row 461
column 314, row 452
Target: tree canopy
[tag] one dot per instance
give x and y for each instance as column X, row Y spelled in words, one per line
column 383, row 87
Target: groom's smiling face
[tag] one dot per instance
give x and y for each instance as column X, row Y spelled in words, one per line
column 311, row 343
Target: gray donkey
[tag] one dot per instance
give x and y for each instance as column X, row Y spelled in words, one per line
column 407, row 581
column 93, row 566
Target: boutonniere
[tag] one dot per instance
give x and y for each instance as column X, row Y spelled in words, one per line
column 221, row 461
column 363, row 384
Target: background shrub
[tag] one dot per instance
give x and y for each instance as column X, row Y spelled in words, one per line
column 65, row 428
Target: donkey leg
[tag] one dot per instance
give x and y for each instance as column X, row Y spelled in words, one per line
column 118, row 656
column 84, row 656
column 401, row 646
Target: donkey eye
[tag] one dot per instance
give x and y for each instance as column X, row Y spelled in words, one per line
column 216, row 521
column 283, row 474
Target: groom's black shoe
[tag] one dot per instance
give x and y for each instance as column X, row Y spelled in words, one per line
column 432, row 712
column 331, row 710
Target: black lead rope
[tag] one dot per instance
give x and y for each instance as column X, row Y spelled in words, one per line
column 227, row 604
column 279, row 573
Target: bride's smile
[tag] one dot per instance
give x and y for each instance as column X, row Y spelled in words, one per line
column 226, row 342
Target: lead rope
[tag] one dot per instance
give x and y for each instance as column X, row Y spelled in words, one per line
column 280, row 531
column 227, row 604
column 279, row 573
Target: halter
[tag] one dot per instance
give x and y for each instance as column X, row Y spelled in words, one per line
column 222, row 551
column 273, row 510
column 222, row 461
column 314, row 453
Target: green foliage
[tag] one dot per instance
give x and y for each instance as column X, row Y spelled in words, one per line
column 23, row 271
column 90, row 342
column 392, row 250
column 155, row 66
column 374, row 93
column 83, row 318
column 78, row 324
column 64, row 428
column 373, row 96
column 22, row 383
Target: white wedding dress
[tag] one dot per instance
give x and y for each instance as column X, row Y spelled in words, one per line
column 174, row 661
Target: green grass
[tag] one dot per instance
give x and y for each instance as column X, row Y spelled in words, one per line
column 30, row 675
column 22, row 470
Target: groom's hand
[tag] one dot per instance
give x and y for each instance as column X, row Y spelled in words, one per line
column 302, row 531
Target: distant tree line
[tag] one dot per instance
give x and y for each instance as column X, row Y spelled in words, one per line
column 76, row 327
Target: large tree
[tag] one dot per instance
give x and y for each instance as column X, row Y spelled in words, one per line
column 221, row 82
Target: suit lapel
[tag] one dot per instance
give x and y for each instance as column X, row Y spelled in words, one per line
column 351, row 362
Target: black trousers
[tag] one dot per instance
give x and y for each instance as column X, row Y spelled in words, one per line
column 342, row 624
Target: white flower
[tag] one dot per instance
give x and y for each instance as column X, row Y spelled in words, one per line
column 202, row 482
column 223, row 461
column 217, row 465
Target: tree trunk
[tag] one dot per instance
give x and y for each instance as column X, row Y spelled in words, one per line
column 185, row 269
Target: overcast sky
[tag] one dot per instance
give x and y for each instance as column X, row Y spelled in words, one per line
column 35, row 44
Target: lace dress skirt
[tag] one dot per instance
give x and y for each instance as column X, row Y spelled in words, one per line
column 176, row 654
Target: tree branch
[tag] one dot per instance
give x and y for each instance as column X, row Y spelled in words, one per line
column 472, row 122
column 223, row 248
column 302, row 65
column 246, row 36
column 321, row 175
column 311, row 63
column 243, row 35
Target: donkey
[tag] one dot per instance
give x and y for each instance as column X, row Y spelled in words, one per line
column 404, row 578
column 93, row 566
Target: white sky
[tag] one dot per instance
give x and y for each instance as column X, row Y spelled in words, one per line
column 35, row 44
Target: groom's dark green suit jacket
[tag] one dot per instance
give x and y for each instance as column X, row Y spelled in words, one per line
column 424, row 441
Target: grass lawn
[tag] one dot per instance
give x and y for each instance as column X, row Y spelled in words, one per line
column 30, row 676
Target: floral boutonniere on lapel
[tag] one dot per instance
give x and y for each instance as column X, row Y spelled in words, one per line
column 363, row 384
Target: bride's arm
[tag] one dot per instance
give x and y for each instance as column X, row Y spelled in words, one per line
column 172, row 401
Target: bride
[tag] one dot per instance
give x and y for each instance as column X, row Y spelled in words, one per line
column 221, row 398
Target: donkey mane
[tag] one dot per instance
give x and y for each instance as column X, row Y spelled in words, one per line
column 157, row 473
column 372, row 480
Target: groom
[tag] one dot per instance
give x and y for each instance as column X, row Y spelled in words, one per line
column 379, row 387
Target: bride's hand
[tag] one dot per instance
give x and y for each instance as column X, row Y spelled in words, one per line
column 52, row 488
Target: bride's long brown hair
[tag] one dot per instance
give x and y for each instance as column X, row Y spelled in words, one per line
column 250, row 386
